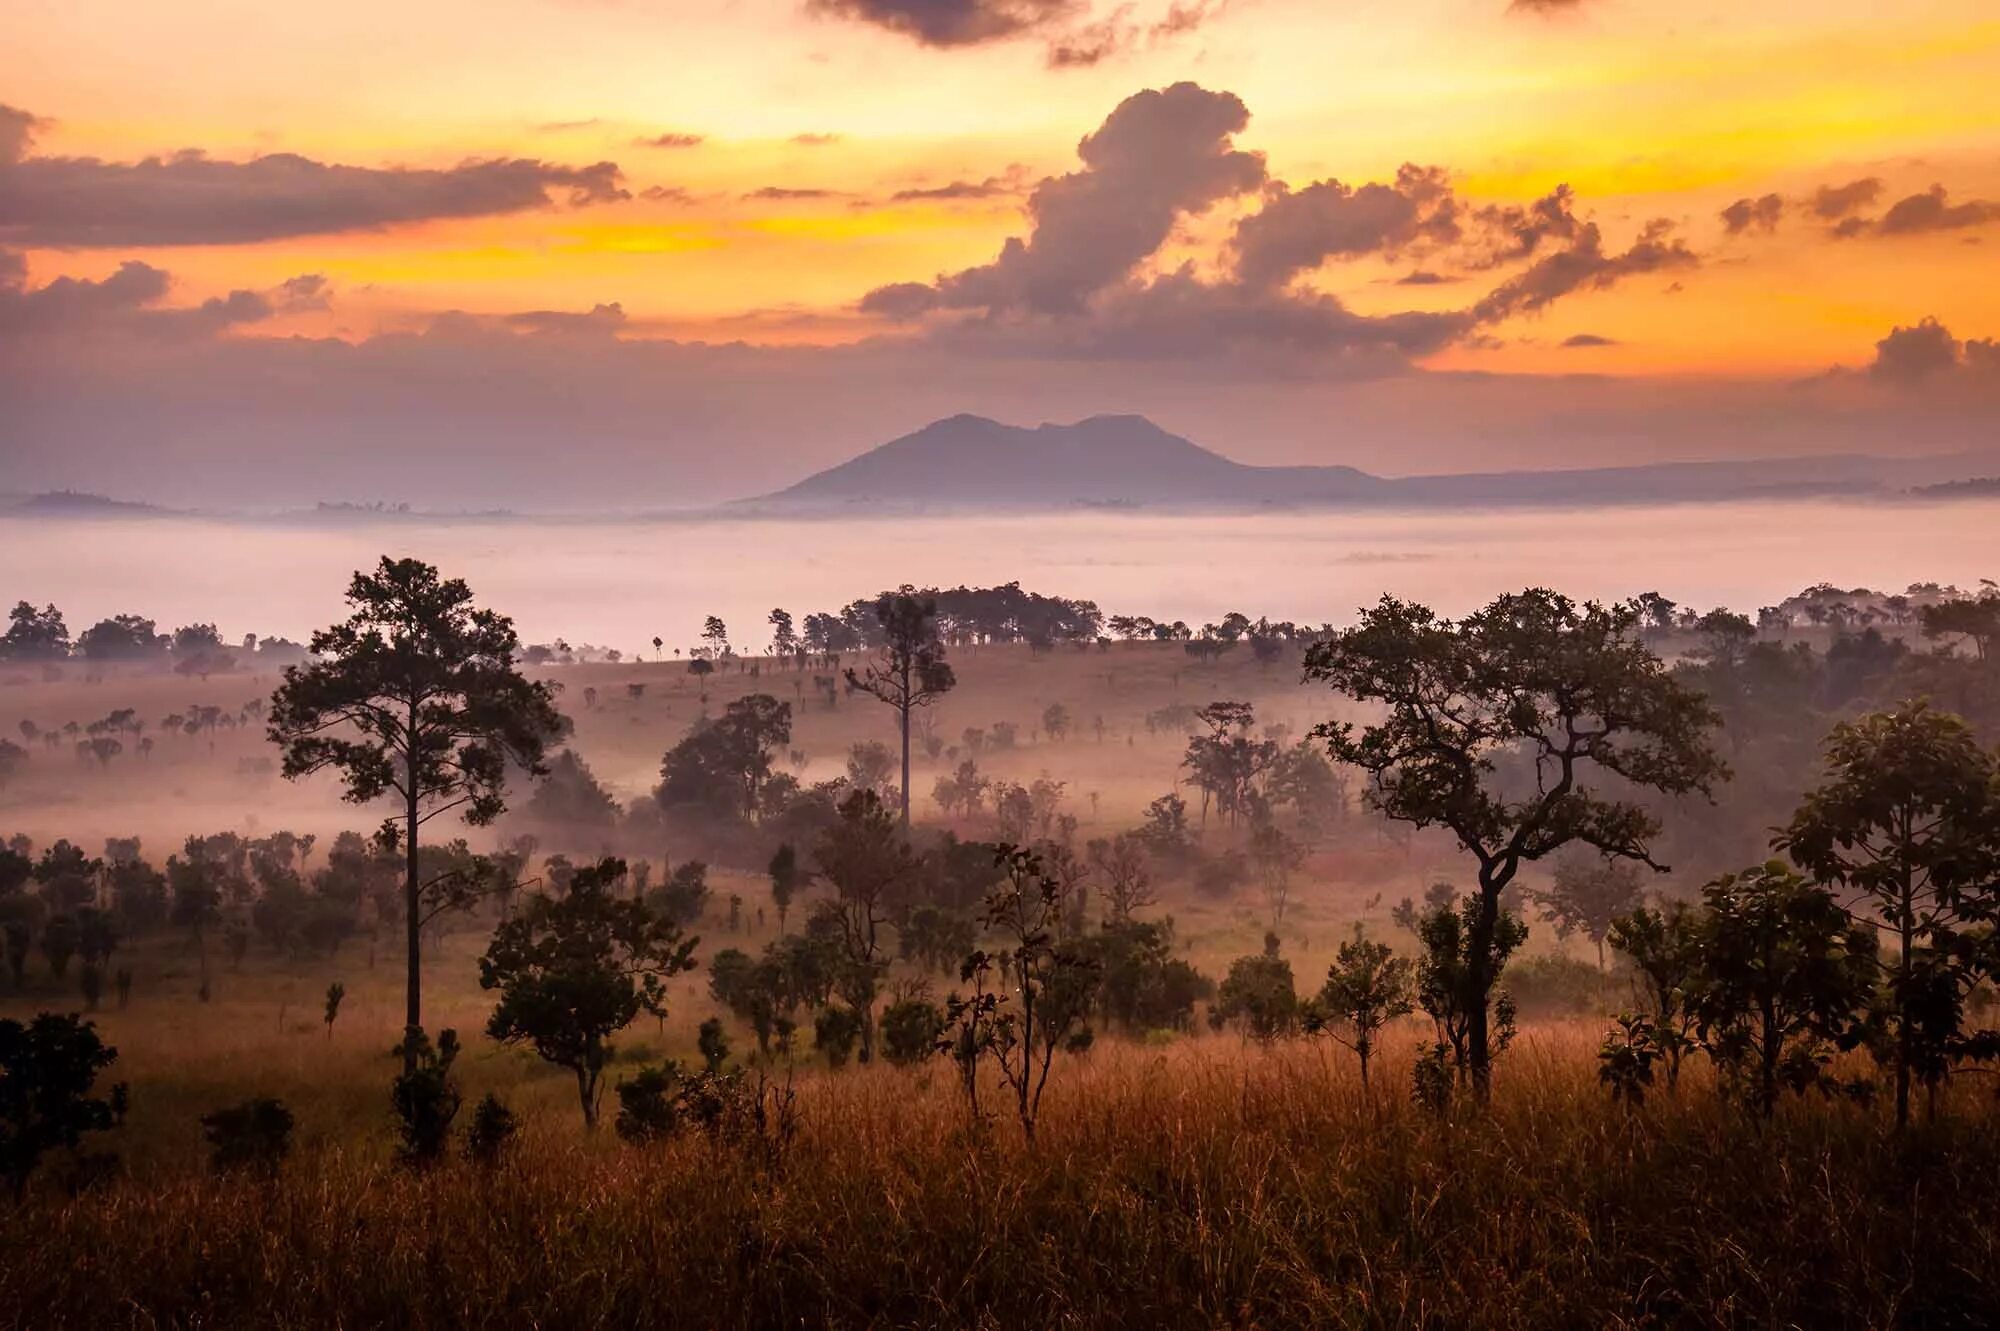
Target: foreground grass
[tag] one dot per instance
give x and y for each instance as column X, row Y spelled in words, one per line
column 1204, row 1185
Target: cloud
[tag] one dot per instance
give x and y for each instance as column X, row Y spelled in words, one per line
column 1543, row 6
column 1584, row 265
column 17, row 131
column 1830, row 203
column 783, row 194
column 128, row 302
column 1296, row 231
column 990, row 188
column 1160, row 155
column 667, row 194
column 191, row 199
column 670, row 140
column 598, row 321
column 1422, row 278
column 1582, row 340
column 1761, row 214
column 1933, row 210
column 947, row 23
column 1927, row 352
column 813, row 140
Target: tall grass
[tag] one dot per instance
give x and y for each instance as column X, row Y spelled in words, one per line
column 1206, row 1184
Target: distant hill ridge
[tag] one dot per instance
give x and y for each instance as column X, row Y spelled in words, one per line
column 970, row 461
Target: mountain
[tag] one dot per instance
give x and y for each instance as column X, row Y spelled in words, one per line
column 1127, row 461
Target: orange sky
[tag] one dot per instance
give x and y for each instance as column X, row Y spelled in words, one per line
column 1643, row 115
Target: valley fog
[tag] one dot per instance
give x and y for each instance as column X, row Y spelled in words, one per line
column 617, row 582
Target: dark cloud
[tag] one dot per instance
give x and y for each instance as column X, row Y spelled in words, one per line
column 1581, row 340
column 670, row 140
column 1161, row 155
column 667, row 194
column 1832, row 202
column 950, row 22
column 1933, row 211
column 1762, row 214
column 598, row 321
column 1422, row 278
column 17, row 131
column 1584, row 265
column 129, row 302
column 1928, row 353
column 191, row 199
column 1296, row 231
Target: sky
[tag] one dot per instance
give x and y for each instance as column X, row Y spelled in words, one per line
column 567, row 253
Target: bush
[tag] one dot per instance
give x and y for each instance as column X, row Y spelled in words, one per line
column 649, row 1104
column 835, row 1030
column 253, row 1135
column 492, row 1132
column 426, row 1099
column 910, row 1030
column 1558, row 986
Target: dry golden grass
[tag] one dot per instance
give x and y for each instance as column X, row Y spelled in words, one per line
column 1207, row 1184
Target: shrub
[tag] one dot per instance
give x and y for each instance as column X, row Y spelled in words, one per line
column 492, row 1132
column 254, row 1135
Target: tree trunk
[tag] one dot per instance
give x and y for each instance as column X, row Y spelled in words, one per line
column 413, row 1012
column 1479, row 949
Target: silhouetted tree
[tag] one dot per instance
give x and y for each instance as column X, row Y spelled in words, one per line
column 48, row 1069
column 573, row 973
column 1550, row 687
column 415, row 695
column 910, row 670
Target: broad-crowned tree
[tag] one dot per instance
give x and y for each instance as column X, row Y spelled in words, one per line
column 574, row 972
column 1496, row 726
column 415, row 695
column 1905, row 820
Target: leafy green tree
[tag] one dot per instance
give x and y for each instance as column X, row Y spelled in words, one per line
column 1259, row 994
column 787, row 877
column 1552, row 691
column 1452, row 985
column 48, row 1068
column 574, row 972
column 1787, row 979
column 868, row 862
column 1367, row 987
column 1664, row 947
column 910, row 671
column 1908, row 819
column 415, row 695
column 34, row 635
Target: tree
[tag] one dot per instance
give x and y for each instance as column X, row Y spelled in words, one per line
column 716, row 634
column 787, row 877
column 34, row 635
column 1128, row 878
column 1259, row 994
column 1664, row 947
column 910, row 671
column 1786, row 975
column 868, row 863
column 1055, row 721
column 1453, row 984
column 1276, row 856
column 1906, row 819
column 1226, row 762
column 784, row 638
column 48, row 1069
column 726, row 762
column 1548, row 687
column 572, row 973
column 335, row 992
column 1367, row 987
column 1053, row 987
column 1587, row 895
column 415, row 695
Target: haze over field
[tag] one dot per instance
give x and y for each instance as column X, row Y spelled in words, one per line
column 999, row 664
